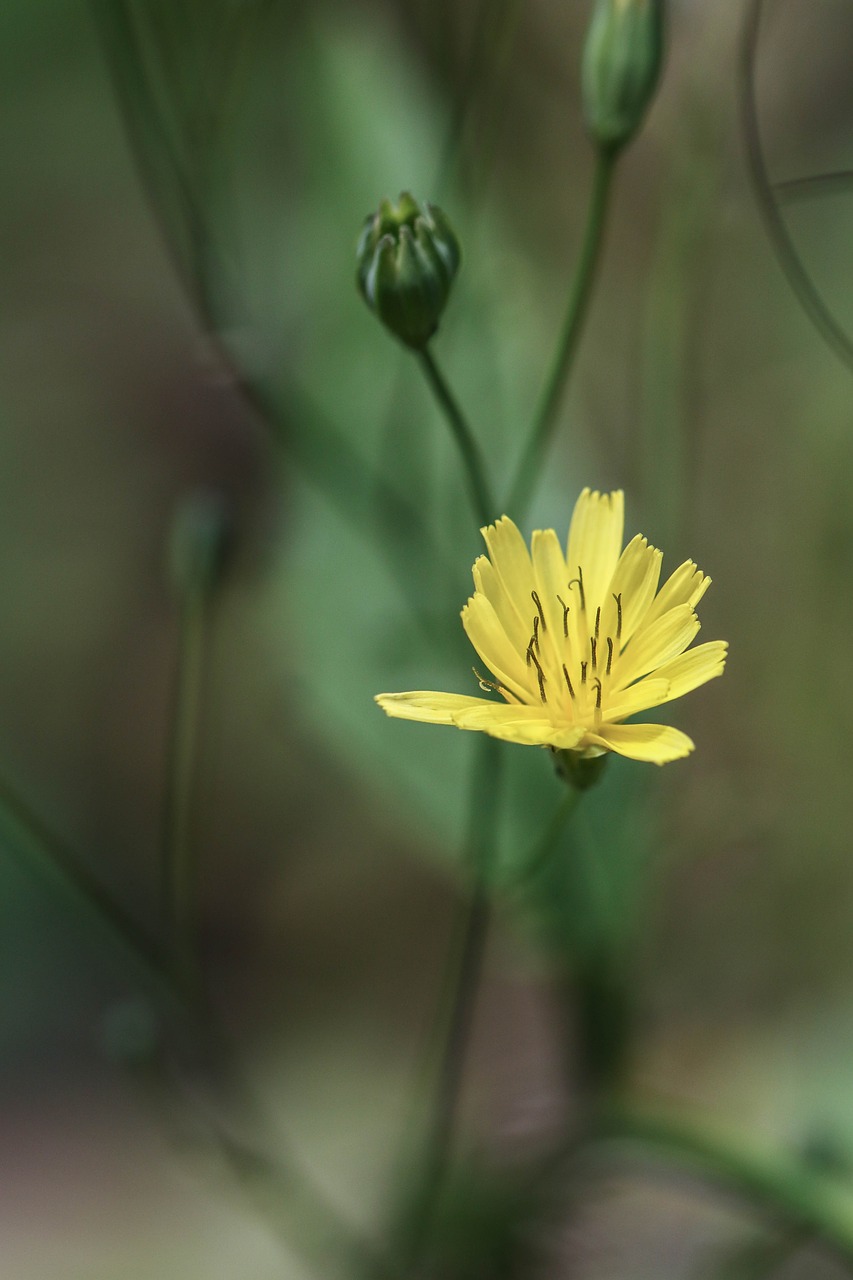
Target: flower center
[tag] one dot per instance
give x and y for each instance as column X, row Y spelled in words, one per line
column 571, row 654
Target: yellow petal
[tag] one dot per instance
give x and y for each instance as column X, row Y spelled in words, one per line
column 635, row 582
column 484, row 630
column 549, row 572
column 686, row 585
column 595, row 541
column 654, row 743
column 510, row 559
column 432, row 708
column 655, row 645
column 531, row 726
column 688, row 671
column 487, row 582
column 640, row 697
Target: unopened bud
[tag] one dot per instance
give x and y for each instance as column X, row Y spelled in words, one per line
column 621, row 67
column 408, row 255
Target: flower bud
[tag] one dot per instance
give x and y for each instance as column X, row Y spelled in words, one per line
column 621, row 66
column 408, row 255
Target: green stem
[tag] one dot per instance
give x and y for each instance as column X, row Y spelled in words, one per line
column 541, row 852
column 465, row 968
column 39, row 849
column 179, row 864
column 775, row 1183
column 581, row 291
column 482, row 501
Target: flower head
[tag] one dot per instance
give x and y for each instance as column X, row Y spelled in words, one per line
column 408, row 256
column 577, row 642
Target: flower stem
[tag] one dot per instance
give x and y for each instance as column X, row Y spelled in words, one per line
column 773, row 1183
column 482, row 501
column 579, row 296
column 464, row 970
column 179, row 864
column 39, row 849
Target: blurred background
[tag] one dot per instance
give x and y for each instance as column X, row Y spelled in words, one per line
column 328, row 836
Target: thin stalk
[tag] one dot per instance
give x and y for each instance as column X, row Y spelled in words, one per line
column 542, row 850
column 807, row 294
column 179, row 861
column 464, row 972
column 323, row 453
column 40, row 850
column 774, row 1184
column 580, row 293
column 482, row 501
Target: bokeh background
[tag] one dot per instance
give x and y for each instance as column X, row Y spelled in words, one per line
column 329, row 836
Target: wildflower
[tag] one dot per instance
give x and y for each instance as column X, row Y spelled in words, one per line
column 577, row 642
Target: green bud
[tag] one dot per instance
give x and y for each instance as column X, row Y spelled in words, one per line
column 621, row 67
column 408, row 255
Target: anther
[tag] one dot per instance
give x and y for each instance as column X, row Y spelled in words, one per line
column 618, row 599
column 568, row 682
column 535, row 640
column 597, row 684
column 486, row 685
column 583, row 672
column 539, row 673
column 565, row 616
column 534, row 596
column 579, row 581
column 609, row 656
column 593, row 648
column 597, row 622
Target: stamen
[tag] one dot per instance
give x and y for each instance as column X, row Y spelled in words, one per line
column 597, row 683
column 579, row 581
column 593, row 648
column 540, row 674
column 486, row 685
column 597, row 622
column 618, row 599
column 583, row 672
column 565, row 616
column 609, row 656
column 535, row 640
column 534, row 596
column 568, row 682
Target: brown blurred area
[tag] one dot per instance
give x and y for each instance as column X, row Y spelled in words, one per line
column 327, row 896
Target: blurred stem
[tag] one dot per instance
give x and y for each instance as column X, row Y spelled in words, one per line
column 541, row 852
column 775, row 1184
column 40, row 850
column 321, row 451
column 180, row 865
column 479, row 491
column 580, row 293
column 806, row 292
column 464, row 972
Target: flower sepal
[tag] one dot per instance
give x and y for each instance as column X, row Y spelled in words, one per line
column 580, row 770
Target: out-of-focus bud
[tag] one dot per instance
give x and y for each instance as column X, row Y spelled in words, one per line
column 408, row 255
column 621, row 67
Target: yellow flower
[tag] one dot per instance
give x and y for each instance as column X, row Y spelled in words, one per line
column 579, row 642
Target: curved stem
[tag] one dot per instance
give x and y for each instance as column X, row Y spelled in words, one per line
column 39, row 849
column 579, row 296
column 807, row 294
column 773, row 1183
column 464, row 970
column 482, row 500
